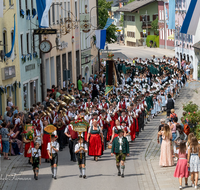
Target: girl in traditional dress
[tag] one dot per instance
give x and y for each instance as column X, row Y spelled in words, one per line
column 36, row 159
column 95, row 140
column 115, row 130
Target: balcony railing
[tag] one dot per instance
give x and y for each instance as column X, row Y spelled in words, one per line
column 146, row 24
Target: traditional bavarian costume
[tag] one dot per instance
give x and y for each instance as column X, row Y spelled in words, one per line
column 95, row 144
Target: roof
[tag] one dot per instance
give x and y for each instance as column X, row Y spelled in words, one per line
column 131, row 7
column 197, row 45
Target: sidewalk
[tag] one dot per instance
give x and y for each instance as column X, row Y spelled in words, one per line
column 164, row 175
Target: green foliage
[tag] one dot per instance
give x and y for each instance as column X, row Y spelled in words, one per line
column 103, row 15
column 190, row 107
column 153, row 38
column 130, row 1
column 157, row 41
column 154, row 26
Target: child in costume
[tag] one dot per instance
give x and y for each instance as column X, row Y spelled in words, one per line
column 81, row 150
column 52, row 149
column 36, row 159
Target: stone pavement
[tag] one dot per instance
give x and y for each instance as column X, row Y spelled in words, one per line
column 142, row 167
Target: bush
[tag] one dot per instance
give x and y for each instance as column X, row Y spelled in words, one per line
column 153, row 38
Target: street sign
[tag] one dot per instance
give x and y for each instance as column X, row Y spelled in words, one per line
column 44, row 31
column 144, row 31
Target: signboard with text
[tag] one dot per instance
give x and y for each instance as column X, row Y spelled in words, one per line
column 44, row 31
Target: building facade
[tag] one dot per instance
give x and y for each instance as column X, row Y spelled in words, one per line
column 184, row 42
column 10, row 79
column 66, row 52
column 29, row 57
column 138, row 16
column 164, row 32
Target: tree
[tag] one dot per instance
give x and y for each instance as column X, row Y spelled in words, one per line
column 103, row 7
column 154, row 26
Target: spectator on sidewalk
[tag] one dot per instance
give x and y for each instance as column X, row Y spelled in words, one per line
column 5, row 140
column 166, row 153
column 191, row 70
column 173, row 115
column 160, row 128
column 80, row 83
column 5, row 113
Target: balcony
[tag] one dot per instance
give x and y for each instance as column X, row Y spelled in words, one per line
column 146, row 25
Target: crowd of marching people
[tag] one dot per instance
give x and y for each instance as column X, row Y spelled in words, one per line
column 146, row 88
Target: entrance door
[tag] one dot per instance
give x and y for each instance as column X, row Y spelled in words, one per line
column 58, row 70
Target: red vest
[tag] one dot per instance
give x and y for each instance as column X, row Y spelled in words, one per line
column 105, row 125
column 125, row 119
column 37, row 124
column 122, row 105
column 73, row 134
column 105, row 106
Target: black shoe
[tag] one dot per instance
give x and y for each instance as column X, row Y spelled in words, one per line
column 52, row 175
column 74, row 160
column 122, row 175
column 55, row 177
column 36, row 177
column 61, row 149
column 45, row 160
column 119, row 173
column 84, row 176
column 80, row 176
column 48, row 161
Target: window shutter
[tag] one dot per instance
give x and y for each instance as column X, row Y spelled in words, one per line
column 148, row 18
column 148, row 33
column 140, row 18
column 141, row 34
column 124, row 17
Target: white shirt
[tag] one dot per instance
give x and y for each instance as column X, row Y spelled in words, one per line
column 77, row 147
column 35, row 152
column 120, row 142
column 54, row 144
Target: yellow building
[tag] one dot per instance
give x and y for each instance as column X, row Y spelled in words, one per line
column 9, row 70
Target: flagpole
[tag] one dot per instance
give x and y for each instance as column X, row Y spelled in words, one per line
column 165, row 26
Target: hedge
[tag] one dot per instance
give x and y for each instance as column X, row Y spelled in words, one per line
column 154, row 38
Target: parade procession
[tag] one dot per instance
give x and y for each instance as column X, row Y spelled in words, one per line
column 99, row 94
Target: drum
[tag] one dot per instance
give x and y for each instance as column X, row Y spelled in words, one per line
column 128, row 138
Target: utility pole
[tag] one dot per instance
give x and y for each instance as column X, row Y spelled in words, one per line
column 97, row 5
column 165, row 26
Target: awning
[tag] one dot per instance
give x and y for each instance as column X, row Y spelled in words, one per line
column 196, row 45
column 171, row 37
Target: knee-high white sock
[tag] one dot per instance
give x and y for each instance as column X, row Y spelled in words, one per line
column 80, row 169
column 122, row 169
column 83, row 171
column 55, row 171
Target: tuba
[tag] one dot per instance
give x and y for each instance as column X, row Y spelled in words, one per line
column 43, row 114
column 67, row 99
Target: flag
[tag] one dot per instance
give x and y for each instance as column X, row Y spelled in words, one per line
column 11, row 55
column 43, row 7
column 108, row 23
column 100, row 38
column 166, row 16
column 1, row 8
column 191, row 20
column 171, row 24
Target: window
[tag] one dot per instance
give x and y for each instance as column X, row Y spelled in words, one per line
column 144, row 18
column 129, row 18
column 27, row 41
column 5, row 41
column 61, row 12
column 26, row 4
column 58, row 17
column 131, row 34
column 49, row 17
column 76, row 14
column 10, row 2
column 69, row 9
column 53, row 13
column 21, row 39
column 33, row 42
column 65, row 9
column 4, row 3
column 155, row 16
column 12, row 35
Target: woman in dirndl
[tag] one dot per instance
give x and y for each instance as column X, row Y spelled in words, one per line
column 95, row 140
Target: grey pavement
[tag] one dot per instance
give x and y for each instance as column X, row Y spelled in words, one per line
column 140, row 52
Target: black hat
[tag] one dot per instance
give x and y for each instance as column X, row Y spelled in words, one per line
column 95, row 114
column 123, row 121
column 120, row 131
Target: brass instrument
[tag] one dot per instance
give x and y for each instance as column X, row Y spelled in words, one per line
column 87, row 111
column 67, row 99
column 71, row 98
column 52, row 106
column 42, row 115
column 49, row 109
column 48, row 113
column 59, row 123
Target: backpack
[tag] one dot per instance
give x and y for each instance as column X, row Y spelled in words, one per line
column 186, row 129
